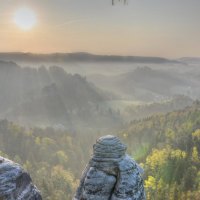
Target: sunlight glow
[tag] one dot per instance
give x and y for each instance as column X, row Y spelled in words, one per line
column 25, row 18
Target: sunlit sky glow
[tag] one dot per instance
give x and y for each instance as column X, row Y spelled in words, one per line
column 148, row 27
column 25, row 18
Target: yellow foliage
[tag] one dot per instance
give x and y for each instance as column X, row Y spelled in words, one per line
column 195, row 154
column 170, row 134
column 37, row 141
column 150, row 183
column 178, row 154
column 47, row 141
column 142, row 165
column 63, row 177
column 196, row 134
column 62, row 157
column 157, row 158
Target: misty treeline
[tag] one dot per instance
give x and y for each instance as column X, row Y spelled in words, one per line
column 134, row 112
column 151, row 84
column 51, row 96
column 166, row 146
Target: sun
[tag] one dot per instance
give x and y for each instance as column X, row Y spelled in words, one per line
column 25, row 18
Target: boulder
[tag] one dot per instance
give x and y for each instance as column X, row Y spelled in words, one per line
column 111, row 174
column 16, row 183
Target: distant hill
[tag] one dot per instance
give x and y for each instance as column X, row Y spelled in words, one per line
column 8, row 64
column 191, row 60
column 147, row 84
column 156, row 81
column 79, row 56
column 50, row 97
column 133, row 112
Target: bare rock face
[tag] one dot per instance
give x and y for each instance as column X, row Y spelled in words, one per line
column 111, row 174
column 15, row 183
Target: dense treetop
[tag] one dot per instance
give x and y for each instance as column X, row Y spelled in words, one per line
column 167, row 147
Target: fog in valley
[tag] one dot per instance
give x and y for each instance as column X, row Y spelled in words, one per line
column 87, row 96
column 52, row 112
column 73, row 71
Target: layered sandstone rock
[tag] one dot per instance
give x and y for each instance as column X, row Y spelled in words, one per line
column 15, row 183
column 111, row 174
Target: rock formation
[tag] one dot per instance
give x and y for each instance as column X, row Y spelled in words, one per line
column 110, row 174
column 15, row 183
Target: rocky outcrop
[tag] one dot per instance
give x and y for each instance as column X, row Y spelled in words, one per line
column 16, row 183
column 111, row 174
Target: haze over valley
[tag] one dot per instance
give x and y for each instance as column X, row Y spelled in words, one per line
column 73, row 71
column 98, row 97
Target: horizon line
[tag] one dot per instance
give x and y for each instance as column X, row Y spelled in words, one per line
column 95, row 54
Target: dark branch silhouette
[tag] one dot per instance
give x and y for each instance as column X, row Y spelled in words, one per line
column 113, row 1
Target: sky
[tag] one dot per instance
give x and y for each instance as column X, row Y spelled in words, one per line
column 167, row 28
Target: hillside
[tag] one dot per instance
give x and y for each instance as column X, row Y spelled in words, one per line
column 78, row 57
column 51, row 97
column 141, row 111
column 167, row 147
column 148, row 84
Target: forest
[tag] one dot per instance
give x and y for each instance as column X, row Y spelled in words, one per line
column 73, row 71
column 167, row 146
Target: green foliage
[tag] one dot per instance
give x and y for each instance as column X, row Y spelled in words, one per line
column 55, row 159
column 141, row 153
column 167, row 147
column 172, row 165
